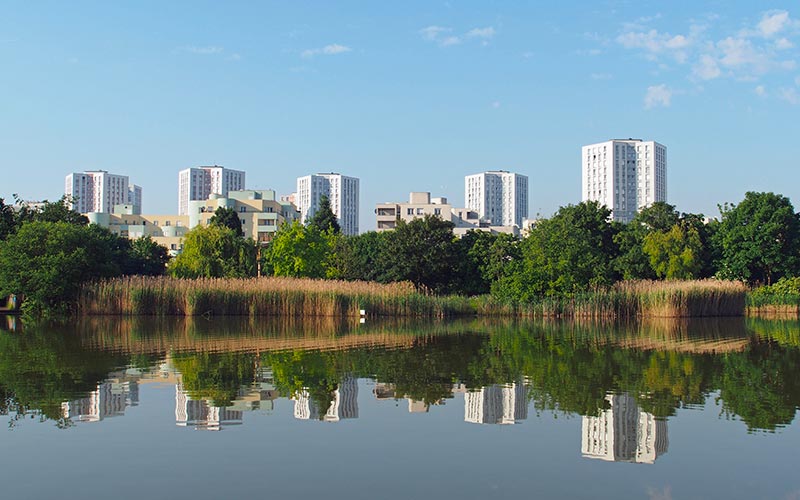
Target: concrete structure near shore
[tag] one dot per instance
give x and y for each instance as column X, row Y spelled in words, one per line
column 261, row 215
column 420, row 204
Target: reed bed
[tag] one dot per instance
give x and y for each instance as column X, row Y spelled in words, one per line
column 291, row 297
column 653, row 299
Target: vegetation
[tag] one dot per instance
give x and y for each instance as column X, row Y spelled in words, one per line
column 227, row 217
column 324, row 219
column 782, row 297
column 263, row 297
column 751, row 369
column 215, row 251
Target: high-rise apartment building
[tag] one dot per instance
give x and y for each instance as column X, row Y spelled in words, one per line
column 200, row 182
column 625, row 175
column 498, row 196
column 135, row 198
column 341, row 190
column 97, row 191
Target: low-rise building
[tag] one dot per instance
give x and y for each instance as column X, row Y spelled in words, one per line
column 261, row 215
column 421, row 204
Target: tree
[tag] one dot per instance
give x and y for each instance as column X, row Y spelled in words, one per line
column 47, row 262
column 215, row 251
column 632, row 262
column 481, row 259
column 360, row 257
column 324, row 219
column 675, row 254
column 146, row 257
column 8, row 223
column 56, row 211
column 227, row 217
column 423, row 252
column 299, row 251
column 759, row 239
column 570, row 252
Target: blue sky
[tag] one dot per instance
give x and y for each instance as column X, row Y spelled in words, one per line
column 407, row 96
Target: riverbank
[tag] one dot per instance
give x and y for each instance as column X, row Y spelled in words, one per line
column 291, row 297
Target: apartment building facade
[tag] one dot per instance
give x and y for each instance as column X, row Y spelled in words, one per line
column 98, row 191
column 625, row 175
column 341, row 190
column 198, row 183
column 498, row 196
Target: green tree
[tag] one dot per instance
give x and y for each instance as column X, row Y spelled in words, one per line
column 8, row 222
column 46, row 263
column 146, row 257
column 299, row 251
column 759, row 239
column 675, row 254
column 227, row 217
column 481, row 259
column 423, row 252
column 324, row 219
column 214, row 251
column 59, row 211
column 570, row 252
column 633, row 262
column 360, row 257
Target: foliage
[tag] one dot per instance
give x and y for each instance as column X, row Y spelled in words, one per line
column 214, row 251
column 571, row 252
column 46, row 263
column 633, row 262
column 423, row 252
column 146, row 257
column 324, row 218
column 759, row 239
column 360, row 257
column 227, row 217
column 8, row 223
column 785, row 291
column 674, row 254
column 299, row 251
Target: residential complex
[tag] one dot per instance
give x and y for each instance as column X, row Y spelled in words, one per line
column 261, row 216
column 625, row 175
column 498, row 197
column 201, row 182
column 341, row 190
column 99, row 191
column 496, row 404
column 421, row 204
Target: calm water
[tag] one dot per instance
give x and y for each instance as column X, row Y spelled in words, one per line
column 221, row 408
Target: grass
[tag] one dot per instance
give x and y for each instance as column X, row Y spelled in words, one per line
column 633, row 299
column 290, row 297
column 782, row 299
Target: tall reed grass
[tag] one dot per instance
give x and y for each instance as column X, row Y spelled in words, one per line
column 291, row 297
column 633, row 299
column 163, row 296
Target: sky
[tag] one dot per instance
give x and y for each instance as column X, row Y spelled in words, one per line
column 407, row 96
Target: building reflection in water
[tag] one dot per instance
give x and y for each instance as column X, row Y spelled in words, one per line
column 202, row 414
column 343, row 404
column 110, row 399
column 496, row 404
column 624, row 433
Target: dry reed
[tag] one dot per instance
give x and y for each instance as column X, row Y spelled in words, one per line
column 163, row 296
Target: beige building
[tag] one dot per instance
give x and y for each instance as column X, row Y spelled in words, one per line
column 421, row 204
column 261, row 215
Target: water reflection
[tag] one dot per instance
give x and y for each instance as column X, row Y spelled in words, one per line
column 623, row 380
column 624, row 433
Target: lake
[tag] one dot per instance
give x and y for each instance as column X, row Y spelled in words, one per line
column 221, row 407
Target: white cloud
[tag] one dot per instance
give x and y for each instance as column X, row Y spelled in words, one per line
column 484, row 33
column 432, row 33
column 706, row 68
column 783, row 44
column 204, row 51
column 657, row 95
column 443, row 36
column 789, row 95
column 773, row 22
column 654, row 43
column 760, row 91
column 328, row 50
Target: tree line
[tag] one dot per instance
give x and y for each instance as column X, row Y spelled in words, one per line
column 45, row 254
